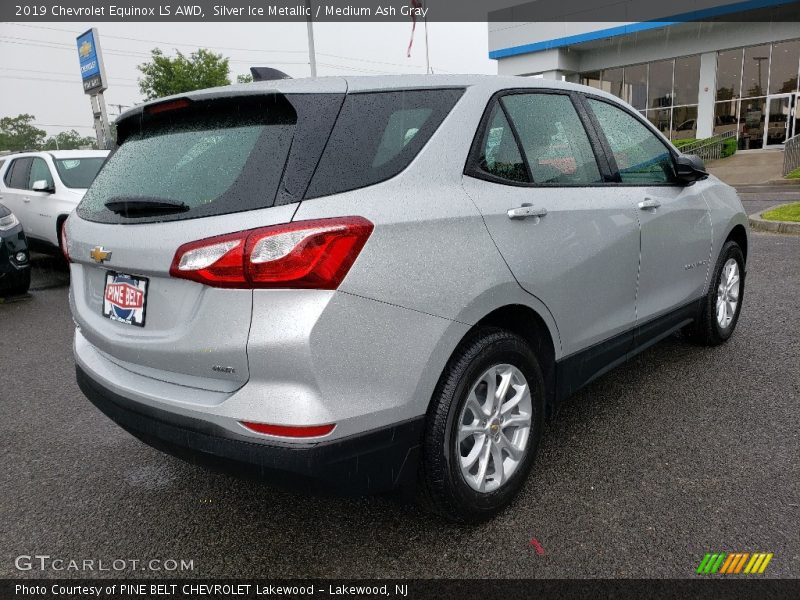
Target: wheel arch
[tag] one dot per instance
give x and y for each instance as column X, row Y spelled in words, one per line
column 528, row 324
column 738, row 234
column 59, row 223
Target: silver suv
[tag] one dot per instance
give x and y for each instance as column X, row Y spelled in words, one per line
column 376, row 283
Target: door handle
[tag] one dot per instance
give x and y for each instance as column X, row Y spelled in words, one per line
column 649, row 204
column 26, row 200
column 525, row 211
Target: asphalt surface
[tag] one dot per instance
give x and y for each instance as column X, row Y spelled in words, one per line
column 682, row 451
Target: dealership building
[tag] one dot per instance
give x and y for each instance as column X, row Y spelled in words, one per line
column 730, row 68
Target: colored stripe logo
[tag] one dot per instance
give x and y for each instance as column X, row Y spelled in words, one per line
column 734, row 563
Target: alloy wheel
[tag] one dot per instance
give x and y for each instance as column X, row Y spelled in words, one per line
column 728, row 293
column 493, row 428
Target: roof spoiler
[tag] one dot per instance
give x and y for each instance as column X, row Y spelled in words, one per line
column 267, row 74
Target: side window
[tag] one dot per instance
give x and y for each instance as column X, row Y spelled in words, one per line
column 17, row 174
column 553, row 139
column 641, row 157
column 39, row 170
column 500, row 155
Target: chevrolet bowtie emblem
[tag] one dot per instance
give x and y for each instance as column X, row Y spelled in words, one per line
column 99, row 254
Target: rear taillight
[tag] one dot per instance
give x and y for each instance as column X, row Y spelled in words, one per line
column 64, row 247
column 304, row 254
column 290, row 431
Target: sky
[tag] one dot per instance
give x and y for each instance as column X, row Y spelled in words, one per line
column 39, row 62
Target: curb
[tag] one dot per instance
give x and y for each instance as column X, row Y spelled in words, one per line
column 759, row 224
column 783, row 181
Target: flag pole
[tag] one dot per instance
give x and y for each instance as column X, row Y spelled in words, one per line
column 312, row 55
column 427, row 54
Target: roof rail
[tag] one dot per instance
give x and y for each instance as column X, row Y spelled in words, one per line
column 267, row 74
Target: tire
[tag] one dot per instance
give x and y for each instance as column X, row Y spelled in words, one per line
column 23, row 282
column 445, row 486
column 710, row 329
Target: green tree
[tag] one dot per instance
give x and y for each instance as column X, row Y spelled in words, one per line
column 69, row 140
column 164, row 76
column 244, row 78
column 19, row 133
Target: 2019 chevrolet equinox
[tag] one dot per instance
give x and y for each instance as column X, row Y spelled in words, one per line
column 369, row 283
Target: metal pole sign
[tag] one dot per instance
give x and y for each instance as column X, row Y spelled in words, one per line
column 93, row 73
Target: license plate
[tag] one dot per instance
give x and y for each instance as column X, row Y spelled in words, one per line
column 125, row 298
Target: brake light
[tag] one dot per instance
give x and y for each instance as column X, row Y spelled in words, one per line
column 290, row 430
column 305, row 254
column 160, row 107
column 64, row 246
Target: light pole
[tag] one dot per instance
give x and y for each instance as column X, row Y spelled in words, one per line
column 759, row 60
column 312, row 55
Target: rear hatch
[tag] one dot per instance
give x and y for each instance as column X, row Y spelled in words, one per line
column 186, row 170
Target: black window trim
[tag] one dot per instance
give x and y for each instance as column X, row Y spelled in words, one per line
column 616, row 180
column 472, row 166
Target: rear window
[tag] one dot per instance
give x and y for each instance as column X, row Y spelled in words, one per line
column 215, row 158
column 78, row 172
column 377, row 135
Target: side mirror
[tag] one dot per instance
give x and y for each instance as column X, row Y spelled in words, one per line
column 42, row 185
column 690, row 168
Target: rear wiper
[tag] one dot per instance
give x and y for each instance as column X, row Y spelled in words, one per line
column 143, row 206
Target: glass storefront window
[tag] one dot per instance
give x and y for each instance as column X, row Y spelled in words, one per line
column 660, row 118
column 660, row 84
column 591, row 79
column 612, row 82
column 687, row 80
column 636, row 86
column 684, row 122
column 752, row 116
column 729, row 74
column 725, row 118
column 756, row 71
column 784, row 66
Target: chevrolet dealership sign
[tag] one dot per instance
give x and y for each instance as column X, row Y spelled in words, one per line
column 93, row 73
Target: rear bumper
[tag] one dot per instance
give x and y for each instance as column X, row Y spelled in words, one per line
column 376, row 461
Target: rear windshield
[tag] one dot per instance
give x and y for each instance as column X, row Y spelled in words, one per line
column 78, row 172
column 377, row 135
column 213, row 159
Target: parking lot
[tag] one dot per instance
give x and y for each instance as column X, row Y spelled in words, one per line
column 683, row 451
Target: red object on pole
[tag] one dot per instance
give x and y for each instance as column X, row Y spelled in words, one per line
column 414, row 4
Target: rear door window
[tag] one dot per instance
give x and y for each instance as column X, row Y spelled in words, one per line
column 377, row 135
column 214, row 158
column 555, row 144
column 17, row 175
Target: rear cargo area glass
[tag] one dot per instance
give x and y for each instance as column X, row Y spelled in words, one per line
column 377, row 135
column 215, row 158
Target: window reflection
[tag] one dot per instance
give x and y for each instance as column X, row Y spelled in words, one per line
column 756, row 71
column 783, row 67
column 636, row 86
column 660, row 84
column 729, row 74
column 612, row 82
column 687, row 80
